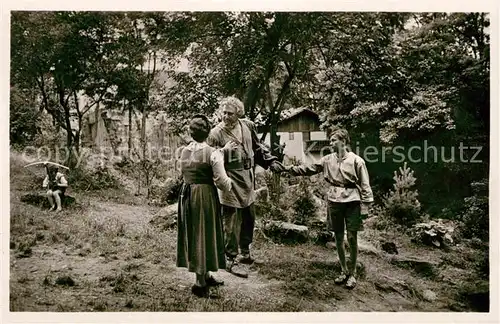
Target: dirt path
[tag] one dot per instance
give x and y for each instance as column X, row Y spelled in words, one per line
column 118, row 261
column 137, row 218
column 124, row 258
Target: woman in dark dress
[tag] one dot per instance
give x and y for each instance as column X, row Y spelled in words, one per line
column 200, row 240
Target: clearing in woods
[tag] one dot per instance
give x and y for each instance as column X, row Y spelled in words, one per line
column 106, row 255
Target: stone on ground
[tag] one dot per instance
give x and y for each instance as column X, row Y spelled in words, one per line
column 285, row 232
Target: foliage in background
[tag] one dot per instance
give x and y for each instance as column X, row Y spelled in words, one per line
column 475, row 214
column 429, row 84
column 24, row 121
column 81, row 179
column 264, row 57
column 270, row 209
column 167, row 191
column 304, row 206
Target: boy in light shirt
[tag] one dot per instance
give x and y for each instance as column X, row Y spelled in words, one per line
column 349, row 198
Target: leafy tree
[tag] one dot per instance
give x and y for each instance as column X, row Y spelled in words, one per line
column 66, row 55
column 76, row 60
column 435, row 88
column 23, row 117
column 436, row 79
column 264, row 57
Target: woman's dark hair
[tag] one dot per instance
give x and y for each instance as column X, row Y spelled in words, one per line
column 199, row 127
column 52, row 171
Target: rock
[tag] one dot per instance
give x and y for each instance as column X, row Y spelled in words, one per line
column 321, row 237
column 388, row 287
column 390, row 284
column 423, row 267
column 389, row 247
column 317, row 224
column 284, row 232
column 318, row 232
column 42, row 201
column 367, row 247
column 170, row 210
column 331, row 245
column 429, row 295
column 166, row 217
column 172, row 188
column 370, row 222
column 320, row 203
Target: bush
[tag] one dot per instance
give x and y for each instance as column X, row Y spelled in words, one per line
column 304, row 206
column 167, row 192
column 437, row 233
column 475, row 214
column 482, row 265
column 383, row 221
column 267, row 211
column 270, row 209
column 274, row 185
column 81, row 179
column 402, row 204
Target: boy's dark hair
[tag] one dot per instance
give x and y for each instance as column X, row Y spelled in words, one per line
column 342, row 133
column 199, row 127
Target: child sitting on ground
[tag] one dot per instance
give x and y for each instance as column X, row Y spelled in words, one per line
column 56, row 184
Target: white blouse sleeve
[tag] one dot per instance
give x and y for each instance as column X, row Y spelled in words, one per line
column 62, row 181
column 365, row 189
column 222, row 181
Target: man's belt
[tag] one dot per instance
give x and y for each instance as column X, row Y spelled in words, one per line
column 341, row 185
column 243, row 164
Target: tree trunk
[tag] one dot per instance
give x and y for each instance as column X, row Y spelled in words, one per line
column 67, row 122
column 278, row 107
column 274, row 140
column 143, row 133
column 277, row 188
column 77, row 139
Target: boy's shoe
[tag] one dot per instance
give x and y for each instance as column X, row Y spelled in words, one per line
column 341, row 279
column 351, row 282
column 248, row 259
